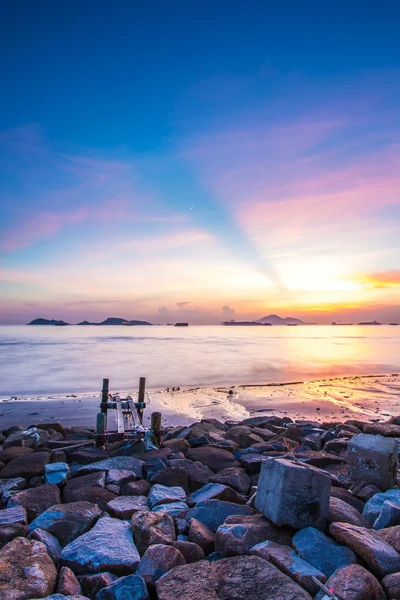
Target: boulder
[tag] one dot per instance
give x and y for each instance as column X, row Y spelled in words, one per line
column 177, row 445
column 120, row 477
column 27, row 466
column 97, row 479
column 198, row 473
column 92, row 584
column 243, row 435
column 127, row 463
column 158, row 560
column 201, row 535
column 36, row 500
column 382, row 429
column 162, row 494
column 321, row 552
column 108, row 546
column 173, row 476
column 238, row 577
column 373, row 508
column 341, row 512
column 52, row 544
column 234, row 477
column 177, row 510
column 7, row 455
column 152, row 528
column 346, row 496
column 136, row 488
column 190, row 551
column 293, row 494
column 373, row 458
column 67, row 521
column 391, row 535
column 380, row 556
column 68, row 583
column 26, row 570
column 215, row 459
column 253, row 462
column 239, row 534
column 95, row 495
column 214, row 512
column 123, row 507
column 10, row 532
column 216, row 491
column 354, row 583
column 130, row 587
column 391, row 585
column 290, row 563
column 13, row 516
column 56, row 473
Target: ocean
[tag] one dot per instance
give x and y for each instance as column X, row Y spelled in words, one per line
column 40, row 360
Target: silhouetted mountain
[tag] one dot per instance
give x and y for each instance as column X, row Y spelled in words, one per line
column 47, row 322
column 369, row 323
column 276, row 320
column 116, row 321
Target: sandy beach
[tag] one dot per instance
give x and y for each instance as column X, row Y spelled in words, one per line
column 370, row 398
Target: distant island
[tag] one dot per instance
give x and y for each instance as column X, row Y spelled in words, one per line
column 369, row 323
column 109, row 321
column 270, row 320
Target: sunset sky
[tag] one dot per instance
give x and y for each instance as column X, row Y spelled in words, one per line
column 199, row 161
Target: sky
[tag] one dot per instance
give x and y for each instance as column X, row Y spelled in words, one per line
column 199, row 161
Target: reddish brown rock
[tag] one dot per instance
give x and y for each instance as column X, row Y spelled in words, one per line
column 152, row 528
column 198, row 473
column 27, row 466
column 346, row 496
column 391, row 585
column 136, row 488
column 9, row 532
column 190, row 551
column 354, row 583
column 172, row 476
column 95, row 495
column 177, row 445
column 239, row 534
column 92, row 584
column 234, row 477
column 26, row 567
column 380, row 556
column 391, row 535
column 385, row 429
column 341, row 512
column 9, row 454
column 215, row 459
column 201, row 535
column 158, row 560
column 36, row 500
column 68, row 584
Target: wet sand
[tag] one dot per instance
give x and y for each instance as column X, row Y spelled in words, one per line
column 369, row 398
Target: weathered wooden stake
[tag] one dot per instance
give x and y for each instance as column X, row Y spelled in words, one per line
column 142, row 388
column 156, row 426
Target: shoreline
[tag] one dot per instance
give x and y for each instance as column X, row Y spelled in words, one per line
column 372, row 397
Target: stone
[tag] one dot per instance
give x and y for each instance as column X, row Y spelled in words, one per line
column 346, row 496
column 234, row 477
column 9, row 532
column 293, row 494
column 11, row 485
column 52, row 544
column 158, row 560
column 214, row 512
column 68, row 583
column 382, row 429
column 108, row 546
column 190, row 551
column 215, row 459
column 380, row 556
column 243, row 435
column 177, row 510
column 162, row 494
column 123, row 507
column 36, row 500
column 120, row 477
column 216, row 491
column 391, row 535
column 321, row 552
column 321, row 460
column 354, row 583
column 290, row 563
column 97, row 479
column 13, row 516
column 93, row 584
column 95, row 495
column 130, row 587
column 127, row 463
column 373, row 508
column 389, row 515
column 27, row 466
column 198, row 473
column 26, row 570
column 136, row 488
column 253, row 462
column 152, row 528
column 340, row 511
column 239, row 534
column 173, row 476
column 201, row 535
column 313, row 441
column 7, row 455
column 56, row 473
column 235, row 578
column 67, row 521
column 373, row 458
column 391, row 585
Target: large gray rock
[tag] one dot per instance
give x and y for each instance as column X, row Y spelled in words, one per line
column 130, row 587
column 373, row 508
column 67, row 521
column 293, row 494
column 120, row 477
column 10, row 532
column 214, row 512
column 158, row 560
column 321, row 552
column 126, row 463
column 236, row 578
column 162, row 494
column 290, row 563
column 373, row 458
column 108, row 546
column 380, row 556
column 26, row 570
column 201, row 535
column 152, row 528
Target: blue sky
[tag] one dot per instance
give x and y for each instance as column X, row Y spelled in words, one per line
column 164, row 160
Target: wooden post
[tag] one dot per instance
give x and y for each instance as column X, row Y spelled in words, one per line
column 156, row 426
column 104, row 399
column 141, row 403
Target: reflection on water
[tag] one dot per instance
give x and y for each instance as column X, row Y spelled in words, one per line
column 44, row 359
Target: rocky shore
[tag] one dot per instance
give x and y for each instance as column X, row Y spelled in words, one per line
column 264, row 509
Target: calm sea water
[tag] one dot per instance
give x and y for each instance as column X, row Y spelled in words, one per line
column 37, row 360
